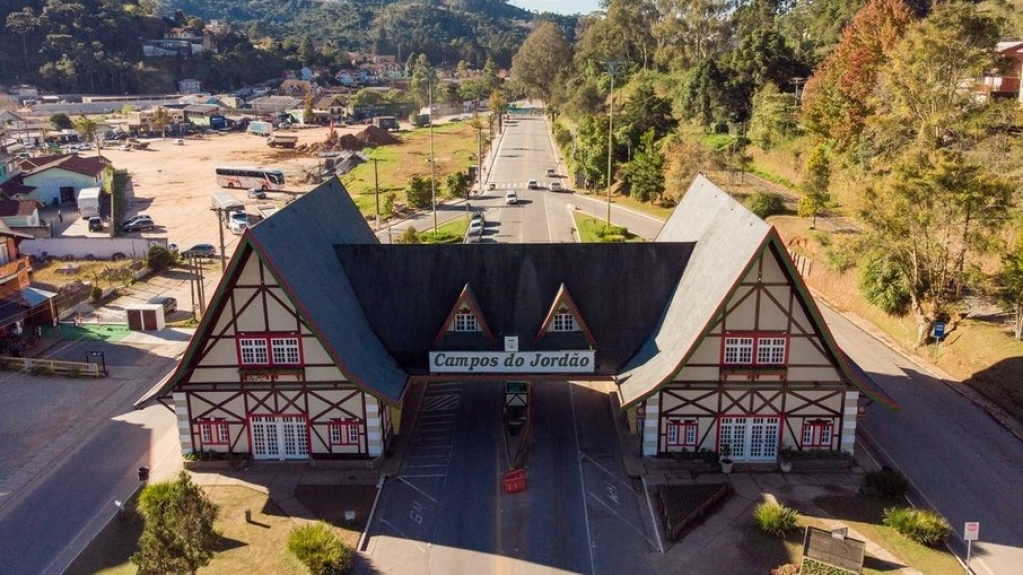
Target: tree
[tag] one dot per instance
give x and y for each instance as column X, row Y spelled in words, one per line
column 836, row 96
column 23, row 23
column 815, row 185
column 920, row 97
column 702, row 94
column 645, row 111
column 771, row 117
column 423, row 80
column 1010, row 284
column 178, row 535
column 308, row 116
column 61, row 121
column 159, row 119
column 86, row 128
column 645, row 173
column 689, row 31
column 933, row 216
column 320, row 549
column 458, row 185
column 540, row 60
column 418, row 192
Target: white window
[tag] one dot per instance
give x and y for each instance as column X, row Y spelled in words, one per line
column 253, row 351
column 466, row 322
column 738, row 350
column 564, row 322
column 681, row 434
column 285, row 350
column 214, row 432
column 344, row 432
column 817, row 434
column 771, row 350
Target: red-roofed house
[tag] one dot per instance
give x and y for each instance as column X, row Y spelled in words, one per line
column 20, row 213
column 58, row 179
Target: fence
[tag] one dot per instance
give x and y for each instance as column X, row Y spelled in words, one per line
column 37, row 366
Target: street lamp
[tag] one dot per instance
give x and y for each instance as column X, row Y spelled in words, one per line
column 612, row 69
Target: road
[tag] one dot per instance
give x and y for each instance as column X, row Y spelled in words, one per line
column 445, row 512
column 52, row 505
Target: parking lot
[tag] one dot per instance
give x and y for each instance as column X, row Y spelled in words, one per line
column 173, row 183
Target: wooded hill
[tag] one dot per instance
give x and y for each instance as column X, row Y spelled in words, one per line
column 95, row 46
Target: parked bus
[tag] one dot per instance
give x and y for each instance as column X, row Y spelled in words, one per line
column 250, row 177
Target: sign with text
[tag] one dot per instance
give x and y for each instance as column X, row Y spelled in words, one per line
column 581, row 361
column 971, row 532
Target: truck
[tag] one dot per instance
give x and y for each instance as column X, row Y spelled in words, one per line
column 225, row 202
column 261, row 128
column 88, row 202
column 281, row 141
column 386, row 122
column 137, row 144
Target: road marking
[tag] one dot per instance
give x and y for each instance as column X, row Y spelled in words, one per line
column 417, row 490
column 623, row 519
column 607, row 471
column 582, row 482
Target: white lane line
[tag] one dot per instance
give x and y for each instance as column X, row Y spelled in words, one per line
column 619, row 516
column 582, row 483
column 417, row 490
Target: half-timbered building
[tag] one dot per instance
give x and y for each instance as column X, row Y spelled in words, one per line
column 707, row 334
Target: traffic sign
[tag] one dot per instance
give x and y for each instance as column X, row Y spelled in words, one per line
column 939, row 329
column 971, row 531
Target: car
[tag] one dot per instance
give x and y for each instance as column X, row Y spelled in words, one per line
column 95, row 224
column 237, row 216
column 138, row 225
column 237, row 227
column 511, row 197
column 85, row 146
column 475, row 232
column 533, row 184
column 551, row 172
column 554, row 186
column 170, row 304
column 476, row 217
column 179, row 142
column 257, row 194
column 200, row 251
column 135, row 217
column 124, row 147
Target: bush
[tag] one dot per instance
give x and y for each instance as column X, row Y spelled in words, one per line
column 775, row 518
column 814, row 567
column 882, row 284
column 159, row 258
column 765, row 205
column 886, row 483
column 786, row 569
column 320, row 550
column 921, row 525
column 96, row 294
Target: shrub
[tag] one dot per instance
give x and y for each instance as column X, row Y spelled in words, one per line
column 96, row 294
column 921, row 525
column 765, row 205
column 882, row 284
column 786, row 569
column 814, row 567
column 886, row 483
column 320, row 550
column 159, row 258
column 775, row 518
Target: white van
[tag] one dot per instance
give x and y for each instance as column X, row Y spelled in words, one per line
column 226, row 202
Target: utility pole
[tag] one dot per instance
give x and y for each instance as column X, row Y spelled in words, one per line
column 376, row 189
column 612, row 69
column 479, row 154
column 433, row 164
column 221, row 220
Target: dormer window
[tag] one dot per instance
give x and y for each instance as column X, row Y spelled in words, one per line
column 466, row 322
column 564, row 321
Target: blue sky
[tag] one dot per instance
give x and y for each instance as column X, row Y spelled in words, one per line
column 559, row 6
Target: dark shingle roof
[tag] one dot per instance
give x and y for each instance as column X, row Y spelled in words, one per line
column 299, row 244
column 407, row 291
column 90, row 166
column 727, row 237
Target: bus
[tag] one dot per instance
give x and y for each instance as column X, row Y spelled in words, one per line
column 249, row 177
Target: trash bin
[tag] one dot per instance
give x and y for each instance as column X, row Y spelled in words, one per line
column 143, row 474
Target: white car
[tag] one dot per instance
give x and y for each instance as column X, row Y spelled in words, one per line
column 551, row 172
column 554, row 186
column 511, row 197
column 533, row 185
column 237, row 227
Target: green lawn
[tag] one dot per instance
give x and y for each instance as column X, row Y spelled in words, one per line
column 590, row 228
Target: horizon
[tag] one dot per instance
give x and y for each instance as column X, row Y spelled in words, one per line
column 566, row 7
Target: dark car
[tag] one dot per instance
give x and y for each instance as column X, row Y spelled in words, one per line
column 170, row 305
column 95, row 224
column 138, row 224
column 200, row 251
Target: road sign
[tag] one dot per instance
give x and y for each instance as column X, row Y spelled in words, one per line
column 939, row 329
column 971, row 531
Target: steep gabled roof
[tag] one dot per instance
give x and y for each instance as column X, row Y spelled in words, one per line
column 729, row 239
column 14, row 208
column 406, row 291
column 89, row 166
column 466, row 300
column 297, row 244
column 564, row 299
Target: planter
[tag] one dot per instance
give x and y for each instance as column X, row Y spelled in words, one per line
column 785, row 466
column 726, row 465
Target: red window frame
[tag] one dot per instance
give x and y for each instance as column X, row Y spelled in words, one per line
column 817, row 430
column 345, row 431
column 685, row 433
column 755, row 352
column 268, row 342
column 214, row 432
